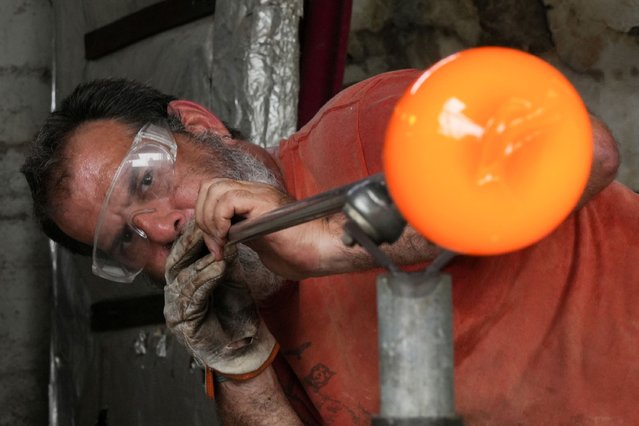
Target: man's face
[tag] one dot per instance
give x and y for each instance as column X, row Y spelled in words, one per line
column 94, row 152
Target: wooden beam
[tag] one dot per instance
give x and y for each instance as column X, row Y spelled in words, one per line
column 108, row 315
column 144, row 23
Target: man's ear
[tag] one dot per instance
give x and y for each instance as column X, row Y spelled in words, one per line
column 196, row 118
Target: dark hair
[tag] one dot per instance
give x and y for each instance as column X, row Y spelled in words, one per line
column 129, row 102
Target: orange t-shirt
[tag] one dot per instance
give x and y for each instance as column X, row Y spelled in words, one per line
column 544, row 335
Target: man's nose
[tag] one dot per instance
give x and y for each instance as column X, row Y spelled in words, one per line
column 161, row 225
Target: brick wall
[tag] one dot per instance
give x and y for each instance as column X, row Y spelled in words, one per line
column 594, row 43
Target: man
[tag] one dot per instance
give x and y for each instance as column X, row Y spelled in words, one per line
column 534, row 330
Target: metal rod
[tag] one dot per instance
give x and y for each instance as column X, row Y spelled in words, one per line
column 295, row 213
column 438, row 263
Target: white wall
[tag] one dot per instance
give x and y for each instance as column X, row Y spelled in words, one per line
column 25, row 88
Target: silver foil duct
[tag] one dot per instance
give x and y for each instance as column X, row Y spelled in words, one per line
column 255, row 74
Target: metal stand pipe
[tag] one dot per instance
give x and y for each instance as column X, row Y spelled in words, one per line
column 416, row 350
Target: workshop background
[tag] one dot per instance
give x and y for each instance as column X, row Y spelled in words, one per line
column 77, row 350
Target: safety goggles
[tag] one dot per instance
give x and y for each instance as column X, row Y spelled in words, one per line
column 142, row 181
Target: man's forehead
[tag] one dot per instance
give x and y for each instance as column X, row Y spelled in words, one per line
column 76, row 216
column 93, row 151
column 101, row 134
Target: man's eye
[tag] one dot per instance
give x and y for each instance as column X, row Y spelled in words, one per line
column 126, row 245
column 126, row 242
column 126, row 237
column 146, row 181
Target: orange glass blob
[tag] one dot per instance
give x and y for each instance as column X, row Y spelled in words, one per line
column 488, row 151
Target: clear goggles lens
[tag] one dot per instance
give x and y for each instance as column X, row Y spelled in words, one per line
column 142, row 181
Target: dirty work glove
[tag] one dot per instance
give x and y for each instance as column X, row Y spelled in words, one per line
column 208, row 306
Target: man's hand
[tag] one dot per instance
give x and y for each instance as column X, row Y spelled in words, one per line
column 293, row 253
column 209, row 308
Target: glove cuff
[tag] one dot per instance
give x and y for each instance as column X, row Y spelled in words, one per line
column 215, row 376
column 248, row 376
column 249, row 361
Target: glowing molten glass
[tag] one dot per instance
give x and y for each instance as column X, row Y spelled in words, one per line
column 488, row 151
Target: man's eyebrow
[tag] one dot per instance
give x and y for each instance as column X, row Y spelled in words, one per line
column 133, row 181
column 131, row 187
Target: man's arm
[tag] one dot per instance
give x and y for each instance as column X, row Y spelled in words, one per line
column 605, row 161
column 259, row 401
column 310, row 249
